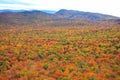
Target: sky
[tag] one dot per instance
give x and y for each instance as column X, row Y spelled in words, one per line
column 111, row 7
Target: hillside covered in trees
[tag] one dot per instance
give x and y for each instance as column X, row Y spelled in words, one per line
column 66, row 45
column 60, row 18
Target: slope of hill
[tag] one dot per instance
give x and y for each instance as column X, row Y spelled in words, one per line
column 24, row 17
column 60, row 18
column 80, row 15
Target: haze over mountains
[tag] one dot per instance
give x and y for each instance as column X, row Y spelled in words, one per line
column 35, row 17
column 8, row 10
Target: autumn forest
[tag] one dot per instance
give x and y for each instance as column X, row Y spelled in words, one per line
column 60, row 52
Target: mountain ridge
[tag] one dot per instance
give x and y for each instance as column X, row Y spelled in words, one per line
column 63, row 15
column 80, row 15
column 51, row 11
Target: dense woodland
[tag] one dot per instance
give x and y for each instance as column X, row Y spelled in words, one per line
column 60, row 50
column 60, row 53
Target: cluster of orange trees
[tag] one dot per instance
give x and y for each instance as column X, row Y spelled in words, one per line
column 57, row 53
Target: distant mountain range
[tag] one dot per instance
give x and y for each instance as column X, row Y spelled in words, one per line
column 8, row 10
column 36, row 16
column 80, row 15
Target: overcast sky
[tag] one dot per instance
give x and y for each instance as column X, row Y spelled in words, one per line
column 111, row 7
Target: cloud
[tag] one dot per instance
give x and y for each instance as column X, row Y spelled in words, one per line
column 14, row 6
column 14, row 2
